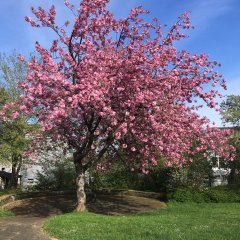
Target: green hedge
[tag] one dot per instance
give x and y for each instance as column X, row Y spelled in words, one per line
column 216, row 195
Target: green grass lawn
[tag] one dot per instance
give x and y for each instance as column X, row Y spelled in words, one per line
column 5, row 213
column 208, row 221
column 9, row 191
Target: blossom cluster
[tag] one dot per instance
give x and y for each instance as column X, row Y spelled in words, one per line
column 138, row 92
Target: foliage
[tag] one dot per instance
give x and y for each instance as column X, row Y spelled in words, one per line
column 59, row 176
column 231, row 110
column 9, row 191
column 115, row 177
column 198, row 171
column 224, row 194
column 177, row 221
column 15, row 129
column 135, row 92
column 186, row 195
column 219, row 194
column 160, row 178
column 98, row 93
column 15, row 139
column 13, row 135
column 6, row 213
column 231, row 115
column 12, row 72
column 118, row 176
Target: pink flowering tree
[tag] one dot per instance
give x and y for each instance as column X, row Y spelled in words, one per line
column 107, row 84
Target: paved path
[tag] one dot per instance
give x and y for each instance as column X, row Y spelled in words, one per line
column 30, row 215
column 32, row 212
column 22, row 228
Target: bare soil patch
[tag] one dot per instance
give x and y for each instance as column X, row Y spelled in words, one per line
column 102, row 204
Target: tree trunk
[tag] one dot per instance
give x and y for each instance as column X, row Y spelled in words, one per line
column 14, row 181
column 80, row 182
column 16, row 166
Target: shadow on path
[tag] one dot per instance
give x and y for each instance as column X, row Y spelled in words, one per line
column 103, row 204
column 32, row 212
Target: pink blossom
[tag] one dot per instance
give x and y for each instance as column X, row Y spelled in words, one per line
column 138, row 90
column 118, row 135
column 21, row 57
column 23, row 108
column 124, row 145
column 133, row 149
column 168, row 164
column 66, row 23
column 15, row 115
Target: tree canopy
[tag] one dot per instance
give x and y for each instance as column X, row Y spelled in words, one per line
column 108, row 84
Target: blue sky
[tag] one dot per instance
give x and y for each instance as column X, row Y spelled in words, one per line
column 216, row 33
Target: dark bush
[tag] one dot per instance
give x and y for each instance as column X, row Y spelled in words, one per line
column 187, row 195
column 116, row 177
column 214, row 195
column 223, row 194
column 61, row 176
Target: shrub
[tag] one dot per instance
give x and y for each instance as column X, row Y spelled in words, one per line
column 223, row 195
column 61, row 176
column 187, row 195
column 215, row 195
column 116, row 177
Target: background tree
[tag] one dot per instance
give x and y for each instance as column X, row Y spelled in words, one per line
column 231, row 110
column 15, row 130
column 12, row 71
column 101, row 93
column 231, row 115
column 15, row 141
